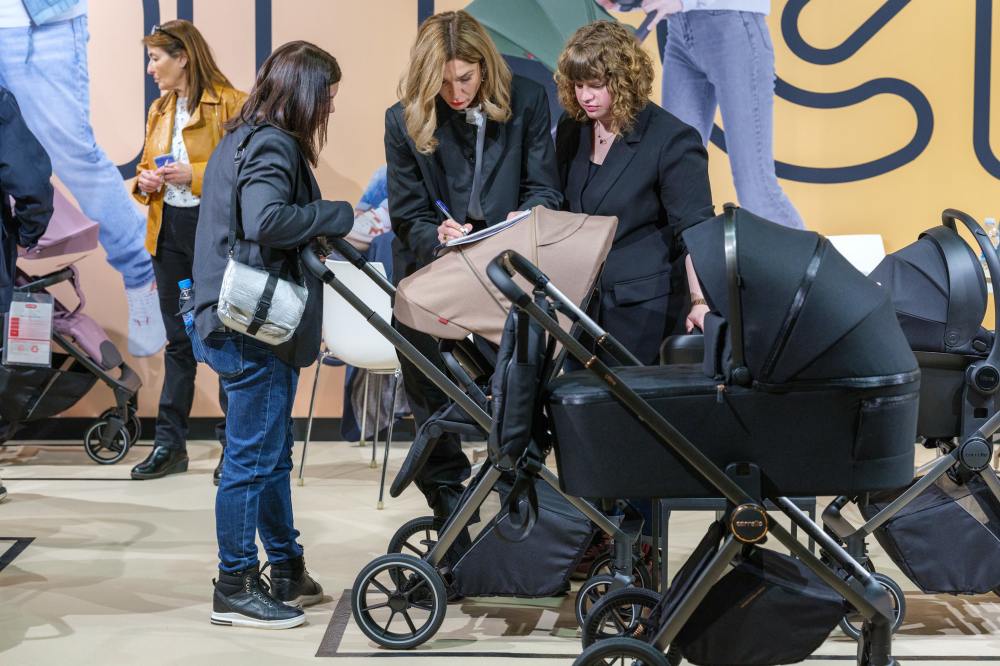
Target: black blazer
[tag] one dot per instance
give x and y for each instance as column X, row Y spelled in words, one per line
column 25, row 174
column 518, row 171
column 655, row 181
column 282, row 211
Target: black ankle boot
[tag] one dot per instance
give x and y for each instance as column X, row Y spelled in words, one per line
column 243, row 599
column 161, row 461
column 292, row 584
column 217, row 474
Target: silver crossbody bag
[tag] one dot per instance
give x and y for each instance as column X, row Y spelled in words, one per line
column 253, row 301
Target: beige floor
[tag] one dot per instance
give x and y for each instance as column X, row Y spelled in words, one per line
column 119, row 572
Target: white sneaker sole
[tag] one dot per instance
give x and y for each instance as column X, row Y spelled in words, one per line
column 237, row 620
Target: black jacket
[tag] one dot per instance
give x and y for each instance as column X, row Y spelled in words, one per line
column 518, row 171
column 282, row 211
column 655, row 181
column 25, row 173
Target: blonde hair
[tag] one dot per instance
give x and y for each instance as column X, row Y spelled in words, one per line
column 444, row 37
column 606, row 51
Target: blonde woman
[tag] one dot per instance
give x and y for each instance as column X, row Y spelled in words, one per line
column 182, row 130
column 619, row 154
column 467, row 134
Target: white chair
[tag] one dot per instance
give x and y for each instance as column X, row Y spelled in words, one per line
column 348, row 337
column 864, row 251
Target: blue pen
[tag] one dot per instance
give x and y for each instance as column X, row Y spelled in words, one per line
column 447, row 213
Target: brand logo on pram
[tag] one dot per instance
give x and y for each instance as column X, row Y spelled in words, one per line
column 749, row 523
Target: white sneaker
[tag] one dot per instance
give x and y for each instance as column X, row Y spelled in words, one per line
column 146, row 334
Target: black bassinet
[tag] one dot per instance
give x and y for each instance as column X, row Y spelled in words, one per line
column 818, row 387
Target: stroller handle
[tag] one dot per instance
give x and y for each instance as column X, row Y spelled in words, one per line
column 500, row 271
column 948, row 218
column 312, row 263
column 46, row 281
column 351, row 254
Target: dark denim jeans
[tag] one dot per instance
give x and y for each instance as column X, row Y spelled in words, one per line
column 254, row 495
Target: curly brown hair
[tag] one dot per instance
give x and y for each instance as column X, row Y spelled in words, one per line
column 606, row 51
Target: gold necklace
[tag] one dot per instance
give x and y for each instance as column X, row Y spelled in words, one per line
column 603, row 140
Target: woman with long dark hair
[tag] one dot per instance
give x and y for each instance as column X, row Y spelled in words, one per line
column 280, row 130
column 184, row 127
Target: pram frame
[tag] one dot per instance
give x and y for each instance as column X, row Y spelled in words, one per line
column 624, row 541
column 861, row 589
column 968, row 458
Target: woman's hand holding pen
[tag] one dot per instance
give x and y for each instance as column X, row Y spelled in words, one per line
column 450, row 229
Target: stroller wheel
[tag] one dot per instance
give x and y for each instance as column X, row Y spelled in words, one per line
column 853, row 621
column 134, row 425
column 627, row 613
column 621, row 651
column 602, row 567
column 592, row 590
column 104, row 444
column 416, row 537
column 398, row 601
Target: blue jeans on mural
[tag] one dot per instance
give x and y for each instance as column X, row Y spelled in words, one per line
column 45, row 67
column 725, row 59
column 255, row 493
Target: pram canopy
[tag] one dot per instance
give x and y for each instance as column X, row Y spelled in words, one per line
column 939, row 293
column 807, row 313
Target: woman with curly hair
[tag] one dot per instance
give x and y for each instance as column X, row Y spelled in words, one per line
column 619, row 154
column 467, row 145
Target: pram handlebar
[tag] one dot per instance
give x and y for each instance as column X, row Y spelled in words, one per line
column 46, row 281
column 948, row 218
column 351, row 254
column 497, row 272
column 384, row 328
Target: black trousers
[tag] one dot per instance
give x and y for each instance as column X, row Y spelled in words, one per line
column 173, row 262
column 447, row 468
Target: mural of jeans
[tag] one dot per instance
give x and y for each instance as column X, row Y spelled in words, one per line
column 724, row 59
column 46, row 69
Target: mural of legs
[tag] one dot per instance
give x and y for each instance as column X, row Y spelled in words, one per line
column 726, row 57
column 46, row 69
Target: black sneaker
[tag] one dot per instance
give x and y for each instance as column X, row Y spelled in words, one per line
column 243, row 599
column 291, row 583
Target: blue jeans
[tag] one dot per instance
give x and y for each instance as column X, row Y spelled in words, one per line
column 255, row 493
column 52, row 87
column 725, row 58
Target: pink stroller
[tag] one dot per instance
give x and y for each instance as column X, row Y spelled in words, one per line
column 82, row 354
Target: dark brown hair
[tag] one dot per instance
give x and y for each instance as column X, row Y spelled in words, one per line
column 180, row 36
column 292, row 93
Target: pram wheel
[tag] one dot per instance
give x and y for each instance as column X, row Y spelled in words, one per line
column 416, row 537
column 852, row 622
column 626, row 613
column 104, row 444
column 621, row 651
column 402, row 589
column 602, row 567
column 592, row 590
column 134, row 425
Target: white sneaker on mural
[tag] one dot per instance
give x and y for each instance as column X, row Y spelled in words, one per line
column 146, row 334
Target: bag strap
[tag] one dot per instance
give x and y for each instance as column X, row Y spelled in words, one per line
column 235, row 209
column 739, row 374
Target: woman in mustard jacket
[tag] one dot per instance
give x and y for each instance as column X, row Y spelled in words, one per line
column 183, row 128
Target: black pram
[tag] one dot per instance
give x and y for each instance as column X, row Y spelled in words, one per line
column 808, row 387
column 939, row 293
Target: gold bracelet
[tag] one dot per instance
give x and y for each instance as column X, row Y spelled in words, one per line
column 698, row 301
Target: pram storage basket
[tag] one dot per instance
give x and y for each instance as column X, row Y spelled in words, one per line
column 770, row 609
column 32, row 394
column 947, row 540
